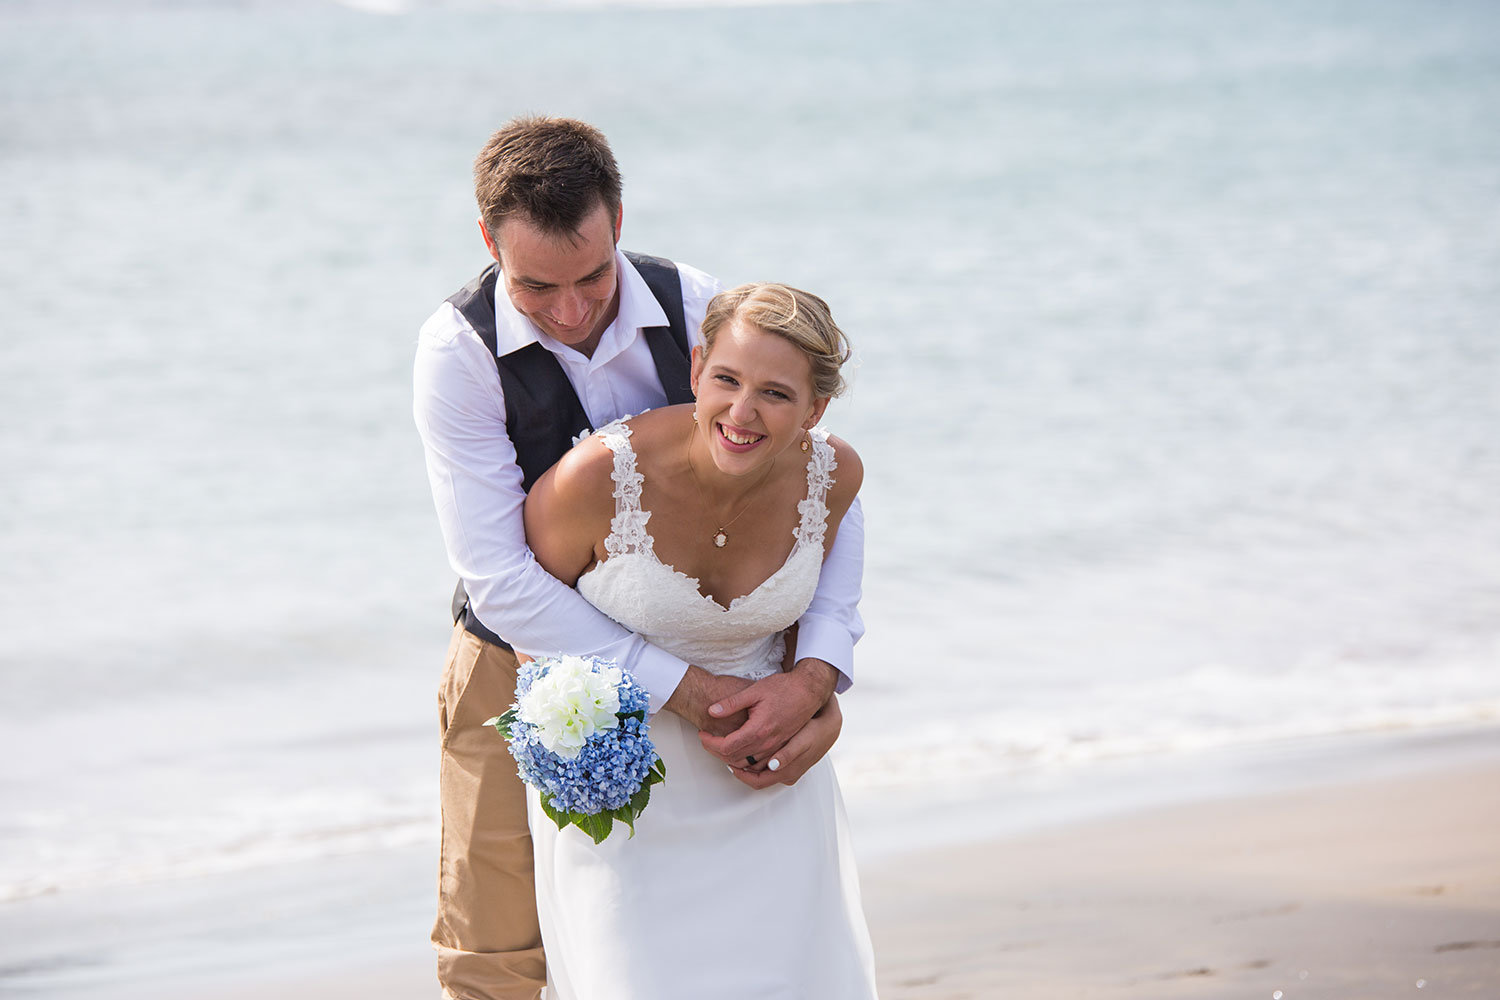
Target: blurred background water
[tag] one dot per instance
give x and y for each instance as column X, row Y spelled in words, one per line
column 1178, row 327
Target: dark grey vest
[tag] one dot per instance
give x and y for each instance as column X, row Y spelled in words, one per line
column 542, row 412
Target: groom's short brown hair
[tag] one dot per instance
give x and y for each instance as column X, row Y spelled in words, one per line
column 552, row 171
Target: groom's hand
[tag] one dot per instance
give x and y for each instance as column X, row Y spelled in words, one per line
column 700, row 689
column 777, row 707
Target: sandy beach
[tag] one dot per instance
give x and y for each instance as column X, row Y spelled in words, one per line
column 1367, row 869
column 1371, row 889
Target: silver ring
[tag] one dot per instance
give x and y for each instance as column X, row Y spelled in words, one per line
column 773, row 764
column 751, row 760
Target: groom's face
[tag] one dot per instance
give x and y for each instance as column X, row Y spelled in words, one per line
column 565, row 283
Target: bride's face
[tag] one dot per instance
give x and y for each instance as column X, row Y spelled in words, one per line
column 755, row 397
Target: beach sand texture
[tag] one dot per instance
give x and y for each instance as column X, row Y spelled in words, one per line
column 1388, row 888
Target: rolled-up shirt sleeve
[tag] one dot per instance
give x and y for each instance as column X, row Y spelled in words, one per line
column 831, row 625
column 476, row 486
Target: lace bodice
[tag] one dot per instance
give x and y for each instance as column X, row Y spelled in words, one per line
column 665, row 607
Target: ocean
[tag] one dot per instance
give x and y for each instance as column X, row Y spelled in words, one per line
column 1177, row 388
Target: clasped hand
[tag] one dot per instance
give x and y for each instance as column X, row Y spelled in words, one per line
column 791, row 717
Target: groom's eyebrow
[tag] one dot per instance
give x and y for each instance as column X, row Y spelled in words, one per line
column 593, row 275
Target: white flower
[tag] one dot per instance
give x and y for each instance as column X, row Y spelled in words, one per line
column 570, row 703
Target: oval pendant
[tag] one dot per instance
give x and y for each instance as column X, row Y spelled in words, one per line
column 720, row 539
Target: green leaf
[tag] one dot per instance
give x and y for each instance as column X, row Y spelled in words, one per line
column 503, row 722
column 626, row 815
column 555, row 815
column 597, row 826
column 640, row 799
column 658, row 771
column 639, row 715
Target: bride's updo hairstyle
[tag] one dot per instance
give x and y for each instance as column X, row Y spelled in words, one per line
column 799, row 316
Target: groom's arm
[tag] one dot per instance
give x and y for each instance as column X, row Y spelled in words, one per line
column 459, row 409
column 831, row 626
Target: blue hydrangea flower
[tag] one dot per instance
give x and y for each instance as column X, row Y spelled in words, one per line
column 611, row 776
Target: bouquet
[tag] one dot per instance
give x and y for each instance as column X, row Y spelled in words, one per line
column 578, row 732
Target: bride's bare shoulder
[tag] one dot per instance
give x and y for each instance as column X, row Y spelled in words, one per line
column 661, row 432
column 586, row 471
column 847, row 477
column 582, row 477
column 568, row 510
column 659, row 425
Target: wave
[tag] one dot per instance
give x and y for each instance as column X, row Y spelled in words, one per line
column 233, row 850
column 267, row 831
column 1011, row 749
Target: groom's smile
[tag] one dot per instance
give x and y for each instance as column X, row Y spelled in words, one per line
column 565, row 283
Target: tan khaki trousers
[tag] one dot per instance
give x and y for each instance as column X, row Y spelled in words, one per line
column 488, row 942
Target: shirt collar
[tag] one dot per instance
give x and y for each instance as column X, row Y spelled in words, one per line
column 638, row 310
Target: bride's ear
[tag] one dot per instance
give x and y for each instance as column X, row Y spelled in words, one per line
column 697, row 369
column 819, row 406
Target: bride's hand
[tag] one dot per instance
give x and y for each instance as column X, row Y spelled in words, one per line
column 800, row 753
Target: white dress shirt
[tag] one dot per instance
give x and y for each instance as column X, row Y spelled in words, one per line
column 476, row 483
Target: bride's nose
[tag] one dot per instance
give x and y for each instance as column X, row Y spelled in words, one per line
column 742, row 409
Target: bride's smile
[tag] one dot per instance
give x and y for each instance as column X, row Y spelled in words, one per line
column 755, row 393
column 739, row 439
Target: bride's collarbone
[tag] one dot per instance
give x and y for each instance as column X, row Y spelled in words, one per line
column 680, row 510
column 753, row 552
column 758, row 531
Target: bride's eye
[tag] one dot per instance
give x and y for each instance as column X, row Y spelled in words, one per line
column 725, row 379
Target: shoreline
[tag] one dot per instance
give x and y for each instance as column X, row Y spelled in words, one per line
column 1194, row 876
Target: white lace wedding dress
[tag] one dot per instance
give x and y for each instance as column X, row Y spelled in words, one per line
column 725, row 891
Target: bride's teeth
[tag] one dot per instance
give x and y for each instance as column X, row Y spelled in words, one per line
column 737, row 439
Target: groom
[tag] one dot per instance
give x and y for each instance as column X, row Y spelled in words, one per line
column 563, row 333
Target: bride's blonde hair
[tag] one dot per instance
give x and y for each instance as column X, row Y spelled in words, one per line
column 801, row 317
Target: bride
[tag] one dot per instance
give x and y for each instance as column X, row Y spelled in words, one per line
column 703, row 528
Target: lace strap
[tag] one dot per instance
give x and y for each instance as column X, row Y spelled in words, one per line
column 814, row 509
column 627, row 530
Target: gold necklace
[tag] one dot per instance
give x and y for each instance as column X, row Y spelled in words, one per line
column 721, row 537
